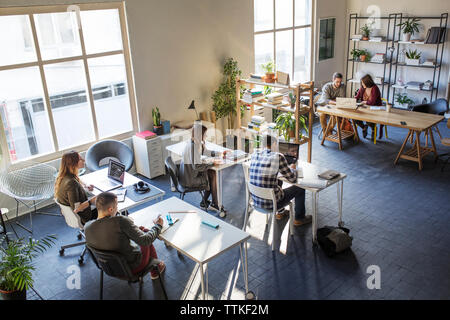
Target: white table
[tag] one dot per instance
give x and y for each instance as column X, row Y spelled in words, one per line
column 190, row 237
column 310, row 172
column 178, row 148
column 93, row 177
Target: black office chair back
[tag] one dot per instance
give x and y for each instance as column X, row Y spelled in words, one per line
column 112, row 263
column 439, row 106
column 173, row 171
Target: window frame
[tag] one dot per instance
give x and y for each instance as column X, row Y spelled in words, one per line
column 334, row 39
column 274, row 30
column 30, row 11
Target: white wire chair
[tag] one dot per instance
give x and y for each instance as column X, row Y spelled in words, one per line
column 29, row 186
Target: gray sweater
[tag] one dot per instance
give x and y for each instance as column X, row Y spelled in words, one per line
column 329, row 92
column 121, row 235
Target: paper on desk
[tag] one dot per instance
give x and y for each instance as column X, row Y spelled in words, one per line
column 377, row 108
column 313, row 183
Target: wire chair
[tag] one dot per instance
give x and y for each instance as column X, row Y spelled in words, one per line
column 29, row 186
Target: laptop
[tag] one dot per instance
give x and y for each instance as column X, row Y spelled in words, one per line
column 347, row 103
column 289, row 150
column 114, row 180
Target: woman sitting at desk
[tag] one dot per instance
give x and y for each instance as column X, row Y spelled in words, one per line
column 194, row 173
column 69, row 190
column 370, row 95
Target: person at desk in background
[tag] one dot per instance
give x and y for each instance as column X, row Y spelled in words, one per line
column 370, row 95
column 194, row 173
column 71, row 191
column 264, row 168
column 330, row 92
column 114, row 232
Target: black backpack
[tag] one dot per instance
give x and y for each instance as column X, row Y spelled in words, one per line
column 334, row 239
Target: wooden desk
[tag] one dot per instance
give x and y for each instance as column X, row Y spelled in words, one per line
column 416, row 122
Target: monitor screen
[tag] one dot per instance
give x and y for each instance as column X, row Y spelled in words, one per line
column 116, row 170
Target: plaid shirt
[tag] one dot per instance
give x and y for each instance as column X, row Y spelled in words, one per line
column 264, row 168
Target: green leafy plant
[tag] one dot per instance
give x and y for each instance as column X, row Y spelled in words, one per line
column 257, row 141
column 403, row 99
column 285, row 124
column 366, row 30
column 156, row 117
column 268, row 90
column 292, row 98
column 16, row 265
column 355, row 53
column 268, row 67
column 413, row 54
column 410, row 25
column 224, row 98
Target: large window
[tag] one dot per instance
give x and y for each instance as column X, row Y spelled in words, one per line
column 283, row 34
column 64, row 79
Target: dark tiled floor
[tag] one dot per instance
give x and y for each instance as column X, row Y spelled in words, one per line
column 399, row 218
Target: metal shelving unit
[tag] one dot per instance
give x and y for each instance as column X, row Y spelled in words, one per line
column 443, row 20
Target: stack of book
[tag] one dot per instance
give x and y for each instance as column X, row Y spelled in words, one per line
column 146, row 135
column 275, row 98
column 378, row 58
column 252, row 95
column 427, row 85
column 256, row 77
column 376, row 39
column 435, row 35
column 255, row 123
column 414, row 85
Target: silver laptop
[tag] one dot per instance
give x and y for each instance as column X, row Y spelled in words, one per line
column 114, row 180
column 347, row 103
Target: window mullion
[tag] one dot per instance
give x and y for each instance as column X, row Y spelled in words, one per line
column 44, row 83
column 274, row 37
column 90, row 94
column 293, row 38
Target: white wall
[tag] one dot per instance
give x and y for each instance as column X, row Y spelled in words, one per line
column 414, row 8
column 324, row 69
column 177, row 49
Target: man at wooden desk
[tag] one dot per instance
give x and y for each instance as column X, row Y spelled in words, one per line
column 330, row 92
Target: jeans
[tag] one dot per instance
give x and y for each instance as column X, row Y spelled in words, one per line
column 299, row 195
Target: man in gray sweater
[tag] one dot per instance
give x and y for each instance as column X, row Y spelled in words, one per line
column 330, row 92
column 114, row 232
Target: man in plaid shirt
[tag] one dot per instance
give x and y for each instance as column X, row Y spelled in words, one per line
column 264, row 169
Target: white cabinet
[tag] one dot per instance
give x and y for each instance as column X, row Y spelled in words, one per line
column 148, row 157
column 176, row 136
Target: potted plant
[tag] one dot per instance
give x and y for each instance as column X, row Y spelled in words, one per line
column 285, row 124
column 403, row 101
column 364, row 55
column 412, row 57
column 409, row 27
column 16, row 265
column 355, row 53
column 270, row 72
column 157, row 126
column 292, row 99
column 224, row 98
column 365, row 30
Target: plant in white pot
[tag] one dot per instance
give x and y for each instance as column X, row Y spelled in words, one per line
column 413, row 57
column 16, row 265
column 403, row 101
column 409, row 27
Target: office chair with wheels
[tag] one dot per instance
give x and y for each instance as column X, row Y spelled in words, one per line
column 106, row 149
column 73, row 220
column 115, row 265
column 445, row 142
column 264, row 193
column 29, row 186
column 438, row 106
column 174, row 174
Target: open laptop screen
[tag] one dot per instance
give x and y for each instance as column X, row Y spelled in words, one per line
column 289, row 150
column 116, row 171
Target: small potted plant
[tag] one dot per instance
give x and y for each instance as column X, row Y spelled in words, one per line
column 292, row 99
column 364, row 55
column 409, row 27
column 403, row 101
column 269, row 68
column 412, row 57
column 365, row 30
column 16, row 265
column 355, row 53
column 157, row 126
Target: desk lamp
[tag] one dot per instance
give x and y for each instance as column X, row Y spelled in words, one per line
column 192, row 106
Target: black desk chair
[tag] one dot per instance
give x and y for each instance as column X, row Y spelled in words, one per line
column 439, row 107
column 115, row 265
column 106, row 149
column 173, row 172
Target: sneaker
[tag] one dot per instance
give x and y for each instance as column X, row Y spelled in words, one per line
column 307, row 219
column 214, row 207
column 280, row 214
column 203, row 205
column 154, row 275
